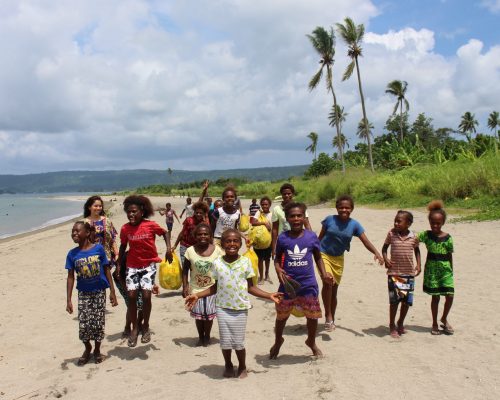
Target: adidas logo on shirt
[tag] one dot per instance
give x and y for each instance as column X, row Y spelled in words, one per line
column 297, row 255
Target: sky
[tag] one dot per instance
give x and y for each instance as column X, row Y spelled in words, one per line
column 197, row 85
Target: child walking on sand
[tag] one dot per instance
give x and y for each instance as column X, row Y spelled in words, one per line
column 263, row 220
column 335, row 237
column 93, row 274
column 296, row 274
column 139, row 235
column 401, row 272
column 169, row 214
column 198, row 262
column 438, row 272
column 233, row 275
column 227, row 216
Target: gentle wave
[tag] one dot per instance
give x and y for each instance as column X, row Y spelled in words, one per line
column 50, row 222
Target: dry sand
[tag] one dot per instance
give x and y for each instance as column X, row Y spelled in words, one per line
column 39, row 340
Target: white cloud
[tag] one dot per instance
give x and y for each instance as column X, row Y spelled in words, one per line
column 492, row 5
column 199, row 85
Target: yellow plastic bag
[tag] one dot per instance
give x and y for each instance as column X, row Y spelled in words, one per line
column 244, row 223
column 250, row 254
column 260, row 236
column 170, row 275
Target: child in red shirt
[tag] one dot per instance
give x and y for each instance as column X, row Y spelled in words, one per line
column 139, row 234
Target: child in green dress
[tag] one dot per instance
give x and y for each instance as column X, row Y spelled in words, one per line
column 438, row 273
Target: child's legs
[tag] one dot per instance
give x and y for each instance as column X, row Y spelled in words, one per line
column 393, row 310
column 132, row 310
column 207, row 328
column 228, row 364
column 312, row 328
column 200, row 329
column 278, row 330
column 434, row 310
column 261, row 269
column 241, row 354
column 97, row 348
column 268, row 263
column 402, row 315
column 146, row 308
column 447, row 307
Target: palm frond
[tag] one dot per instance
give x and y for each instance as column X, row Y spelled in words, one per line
column 349, row 70
column 315, row 79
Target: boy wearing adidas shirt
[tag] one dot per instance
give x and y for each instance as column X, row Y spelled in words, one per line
column 297, row 280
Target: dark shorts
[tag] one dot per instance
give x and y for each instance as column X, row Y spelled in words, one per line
column 263, row 254
column 401, row 289
column 170, row 226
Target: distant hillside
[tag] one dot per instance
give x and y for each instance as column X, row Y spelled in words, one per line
column 106, row 181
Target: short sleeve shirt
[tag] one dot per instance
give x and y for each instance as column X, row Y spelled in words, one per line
column 259, row 214
column 188, row 208
column 402, row 250
column 201, row 268
column 188, row 226
column 338, row 234
column 299, row 263
column 278, row 215
column 89, row 268
column 141, row 241
column 225, row 221
column 232, row 285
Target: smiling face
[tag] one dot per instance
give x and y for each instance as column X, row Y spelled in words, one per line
column 401, row 223
column 203, row 236
column 134, row 214
column 96, row 209
column 79, row 233
column 199, row 215
column 229, row 198
column 295, row 217
column 436, row 221
column 265, row 205
column 231, row 243
column 344, row 209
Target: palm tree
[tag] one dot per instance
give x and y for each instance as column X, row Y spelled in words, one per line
column 314, row 143
column 364, row 131
column 352, row 35
column 398, row 89
column 337, row 117
column 494, row 122
column 324, row 44
column 468, row 125
column 170, row 171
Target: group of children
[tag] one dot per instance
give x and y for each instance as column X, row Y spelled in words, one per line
column 217, row 279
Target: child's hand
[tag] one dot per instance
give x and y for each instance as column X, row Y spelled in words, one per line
column 185, row 291
column 388, row 263
column 112, row 298
column 168, row 256
column 379, row 258
column 418, row 270
column 69, row 307
column 280, row 272
column 277, row 297
column 190, row 301
column 156, row 290
column 328, row 279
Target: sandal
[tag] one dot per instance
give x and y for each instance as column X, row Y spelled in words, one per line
column 329, row 326
column 435, row 332
column 447, row 330
column 146, row 337
column 402, row 330
column 83, row 360
column 395, row 334
column 99, row 358
column 132, row 341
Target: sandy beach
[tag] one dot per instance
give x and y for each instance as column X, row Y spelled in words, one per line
column 40, row 346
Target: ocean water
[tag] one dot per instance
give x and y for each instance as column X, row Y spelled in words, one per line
column 20, row 213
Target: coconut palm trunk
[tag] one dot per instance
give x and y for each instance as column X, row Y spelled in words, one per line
column 370, row 156
column 339, row 138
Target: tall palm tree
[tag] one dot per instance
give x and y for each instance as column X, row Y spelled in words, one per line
column 398, row 89
column 314, row 143
column 324, row 44
column 494, row 122
column 468, row 125
column 337, row 117
column 352, row 35
column 364, row 131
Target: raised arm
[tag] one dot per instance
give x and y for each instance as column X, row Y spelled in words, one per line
column 204, row 192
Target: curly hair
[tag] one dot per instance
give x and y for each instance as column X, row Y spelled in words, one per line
column 228, row 232
column 436, row 207
column 287, row 186
column 140, row 201
column 289, row 206
column 200, row 205
column 90, row 201
column 202, row 225
column 229, row 188
column 344, row 197
column 266, row 198
column 89, row 228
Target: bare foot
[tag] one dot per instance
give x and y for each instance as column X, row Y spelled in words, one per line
column 242, row 373
column 206, row 341
column 401, row 329
column 228, row 371
column 447, row 328
column 275, row 350
column 132, row 339
column 395, row 334
column 315, row 349
column 200, row 343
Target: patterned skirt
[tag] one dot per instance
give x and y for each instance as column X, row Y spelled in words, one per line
column 91, row 310
column 204, row 308
column 232, row 326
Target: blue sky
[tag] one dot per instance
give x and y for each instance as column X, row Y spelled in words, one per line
column 453, row 21
column 196, row 85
